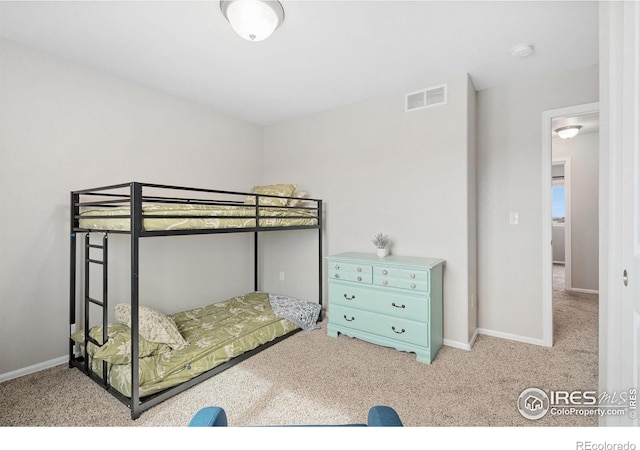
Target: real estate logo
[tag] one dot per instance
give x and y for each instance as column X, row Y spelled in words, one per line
column 533, row 403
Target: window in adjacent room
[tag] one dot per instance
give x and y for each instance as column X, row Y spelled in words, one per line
column 557, row 193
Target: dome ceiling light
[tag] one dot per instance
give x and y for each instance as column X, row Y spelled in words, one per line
column 568, row 132
column 254, row 20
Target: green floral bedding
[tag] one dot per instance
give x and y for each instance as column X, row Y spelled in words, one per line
column 208, row 217
column 214, row 333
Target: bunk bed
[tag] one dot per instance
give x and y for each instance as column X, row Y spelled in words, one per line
column 146, row 357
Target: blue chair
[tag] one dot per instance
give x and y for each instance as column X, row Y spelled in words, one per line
column 379, row 416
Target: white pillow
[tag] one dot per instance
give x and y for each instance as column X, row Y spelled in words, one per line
column 152, row 325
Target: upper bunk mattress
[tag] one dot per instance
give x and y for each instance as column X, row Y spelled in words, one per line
column 163, row 217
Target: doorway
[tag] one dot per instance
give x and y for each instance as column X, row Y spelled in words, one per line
column 551, row 121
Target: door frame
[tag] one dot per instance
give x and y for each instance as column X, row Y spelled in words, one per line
column 547, row 252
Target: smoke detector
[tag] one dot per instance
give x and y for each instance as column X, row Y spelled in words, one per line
column 522, row 50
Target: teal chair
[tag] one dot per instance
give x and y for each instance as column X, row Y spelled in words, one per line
column 379, row 416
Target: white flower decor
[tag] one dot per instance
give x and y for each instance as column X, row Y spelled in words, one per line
column 381, row 240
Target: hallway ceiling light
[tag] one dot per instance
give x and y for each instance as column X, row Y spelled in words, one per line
column 568, row 132
column 254, row 20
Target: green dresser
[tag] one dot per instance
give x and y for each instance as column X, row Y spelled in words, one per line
column 394, row 301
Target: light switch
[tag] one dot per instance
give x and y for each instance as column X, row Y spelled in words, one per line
column 514, row 218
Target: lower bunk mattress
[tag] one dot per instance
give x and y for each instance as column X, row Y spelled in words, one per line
column 176, row 348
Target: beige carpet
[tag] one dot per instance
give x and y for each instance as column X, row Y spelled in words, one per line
column 311, row 378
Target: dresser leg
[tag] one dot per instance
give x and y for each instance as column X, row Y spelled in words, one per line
column 423, row 357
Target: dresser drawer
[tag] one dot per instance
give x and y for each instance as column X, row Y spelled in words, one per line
column 417, row 280
column 360, row 273
column 387, row 301
column 395, row 328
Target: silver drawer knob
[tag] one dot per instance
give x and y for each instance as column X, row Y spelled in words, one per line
column 337, row 275
column 359, row 278
column 413, row 285
column 359, row 269
column 413, row 275
column 384, row 272
column 384, row 282
column 337, row 267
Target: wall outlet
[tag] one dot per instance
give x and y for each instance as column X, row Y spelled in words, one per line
column 514, row 218
column 281, row 275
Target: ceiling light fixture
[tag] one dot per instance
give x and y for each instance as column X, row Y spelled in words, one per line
column 568, row 132
column 254, row 20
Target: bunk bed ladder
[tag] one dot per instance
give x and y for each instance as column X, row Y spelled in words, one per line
column 88, row 300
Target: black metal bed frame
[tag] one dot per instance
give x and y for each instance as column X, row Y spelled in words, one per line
column 131, row 194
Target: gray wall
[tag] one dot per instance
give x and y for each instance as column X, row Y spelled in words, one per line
column 66, row 127
column 583, row 151
column 380, row 169
column 510, row 180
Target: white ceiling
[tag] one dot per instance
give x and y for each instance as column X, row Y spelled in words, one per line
column 325, row 54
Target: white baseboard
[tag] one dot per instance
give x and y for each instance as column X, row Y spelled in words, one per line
column 33, row 369
column 461, row 345
column 512, row 337
column 456, row 344
column 583, row 291
column 498, row 334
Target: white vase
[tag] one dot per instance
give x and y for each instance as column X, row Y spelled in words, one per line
column 382, row 252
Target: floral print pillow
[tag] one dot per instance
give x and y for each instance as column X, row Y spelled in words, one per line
column 152, row 325
column 117, row 350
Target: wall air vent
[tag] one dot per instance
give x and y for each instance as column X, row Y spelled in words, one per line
column 426, row 98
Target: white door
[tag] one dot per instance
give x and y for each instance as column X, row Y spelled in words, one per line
column 620, row 330
column 631, row 185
